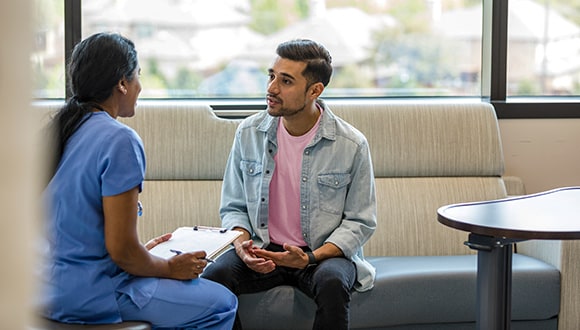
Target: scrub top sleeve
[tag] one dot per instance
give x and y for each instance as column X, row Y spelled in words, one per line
column 122, row 165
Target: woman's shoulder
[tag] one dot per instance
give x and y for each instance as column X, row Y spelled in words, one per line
column 114, row 127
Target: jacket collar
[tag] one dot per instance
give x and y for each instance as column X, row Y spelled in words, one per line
column 326, row 129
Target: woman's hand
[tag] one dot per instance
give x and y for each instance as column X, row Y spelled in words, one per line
column 127, row 251
column 187, row 265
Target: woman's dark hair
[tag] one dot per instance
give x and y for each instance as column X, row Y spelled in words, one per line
column 96, row 65
column 317, row 58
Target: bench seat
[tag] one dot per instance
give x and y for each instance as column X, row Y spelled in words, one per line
column 429, row 292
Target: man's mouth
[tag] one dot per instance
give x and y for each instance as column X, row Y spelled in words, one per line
column 271, row 100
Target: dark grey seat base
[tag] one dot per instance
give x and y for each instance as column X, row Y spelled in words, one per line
column 46, row 324
column 434, row 292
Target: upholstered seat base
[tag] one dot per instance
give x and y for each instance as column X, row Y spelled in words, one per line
column 46, row 324
column 432, row 292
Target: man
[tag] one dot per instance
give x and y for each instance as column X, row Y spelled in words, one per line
column 299, row 185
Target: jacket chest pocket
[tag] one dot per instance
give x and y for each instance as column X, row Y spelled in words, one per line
column 332, row 190
column 252, row 175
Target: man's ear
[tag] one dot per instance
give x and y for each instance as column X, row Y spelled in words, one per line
column 316, row 89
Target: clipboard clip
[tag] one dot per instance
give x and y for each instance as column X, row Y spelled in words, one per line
column 221, row 230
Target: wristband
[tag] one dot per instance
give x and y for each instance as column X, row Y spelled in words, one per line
column 311, row 259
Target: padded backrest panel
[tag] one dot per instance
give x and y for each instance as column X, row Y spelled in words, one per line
column 168, row 204
column 407, row 214
column 426, row 155
column 428, row 139
column 183, row 141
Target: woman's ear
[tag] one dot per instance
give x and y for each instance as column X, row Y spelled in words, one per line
column 121, row 87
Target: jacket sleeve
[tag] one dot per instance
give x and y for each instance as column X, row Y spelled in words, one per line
column 233, row 206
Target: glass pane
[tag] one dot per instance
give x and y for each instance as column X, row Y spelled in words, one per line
column 544, row 47
column 208, row 48
column 47, row 57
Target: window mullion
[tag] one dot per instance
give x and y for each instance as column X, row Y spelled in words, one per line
column 72, row 31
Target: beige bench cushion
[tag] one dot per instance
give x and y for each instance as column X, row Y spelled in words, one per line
column 183, row 141
column 428, row 139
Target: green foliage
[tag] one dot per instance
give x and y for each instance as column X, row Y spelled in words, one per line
column 413, row 14
column 527, row 87
column 568, row 8
column 185, row 83
column 302, row 8
column 49, row 81
column 351, row 76
column 153, row 80
column 267, row 16
column 416, row 60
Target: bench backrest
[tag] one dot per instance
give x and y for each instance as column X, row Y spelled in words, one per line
column 425, row 155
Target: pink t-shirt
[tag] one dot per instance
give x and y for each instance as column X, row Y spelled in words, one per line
column 284, row 207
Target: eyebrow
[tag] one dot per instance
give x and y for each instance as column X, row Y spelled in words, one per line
column 283, row 74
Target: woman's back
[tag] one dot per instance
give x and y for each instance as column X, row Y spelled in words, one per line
column 103, row 157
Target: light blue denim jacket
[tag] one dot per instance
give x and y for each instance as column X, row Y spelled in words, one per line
column 337, row 190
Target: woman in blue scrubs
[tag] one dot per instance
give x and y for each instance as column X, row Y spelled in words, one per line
column 96, row 270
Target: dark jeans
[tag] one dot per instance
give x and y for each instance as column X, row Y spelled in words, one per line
column 329, row 284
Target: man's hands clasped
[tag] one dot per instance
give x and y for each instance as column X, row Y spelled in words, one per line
column 264, row 261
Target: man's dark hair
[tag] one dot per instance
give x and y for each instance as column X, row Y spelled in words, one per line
column 317, row 58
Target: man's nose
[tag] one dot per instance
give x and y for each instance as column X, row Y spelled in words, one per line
column 273, row 87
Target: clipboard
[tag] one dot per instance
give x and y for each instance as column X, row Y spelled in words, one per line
column 213, row 240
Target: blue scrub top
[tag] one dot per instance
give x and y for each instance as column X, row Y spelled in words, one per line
column 103, row 158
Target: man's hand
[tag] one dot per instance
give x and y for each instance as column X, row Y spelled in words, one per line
column 247, row 252
column 293, row 257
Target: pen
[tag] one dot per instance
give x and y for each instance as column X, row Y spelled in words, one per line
column 177, row 252
column 208, row 259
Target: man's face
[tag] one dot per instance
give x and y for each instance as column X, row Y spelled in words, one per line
column 287, row 88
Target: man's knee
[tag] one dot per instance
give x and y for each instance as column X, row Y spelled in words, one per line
column 217, row 272
column 223, row 271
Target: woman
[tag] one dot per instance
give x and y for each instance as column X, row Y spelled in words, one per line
column 98, row 272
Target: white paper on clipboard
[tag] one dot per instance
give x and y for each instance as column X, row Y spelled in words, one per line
column 212, row 240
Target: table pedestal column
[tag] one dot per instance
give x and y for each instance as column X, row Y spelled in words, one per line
column 494, row 279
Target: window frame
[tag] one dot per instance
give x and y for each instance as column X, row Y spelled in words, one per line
column 494, row 72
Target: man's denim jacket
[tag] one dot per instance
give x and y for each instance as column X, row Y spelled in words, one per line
column 337, row 190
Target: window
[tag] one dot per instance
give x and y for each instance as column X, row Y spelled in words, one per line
column 209, row 49
column 544, row 47
column 220, row 50
column 47, row 57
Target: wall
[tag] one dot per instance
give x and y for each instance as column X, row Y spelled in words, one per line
column 545, row 153
column 18, row 187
